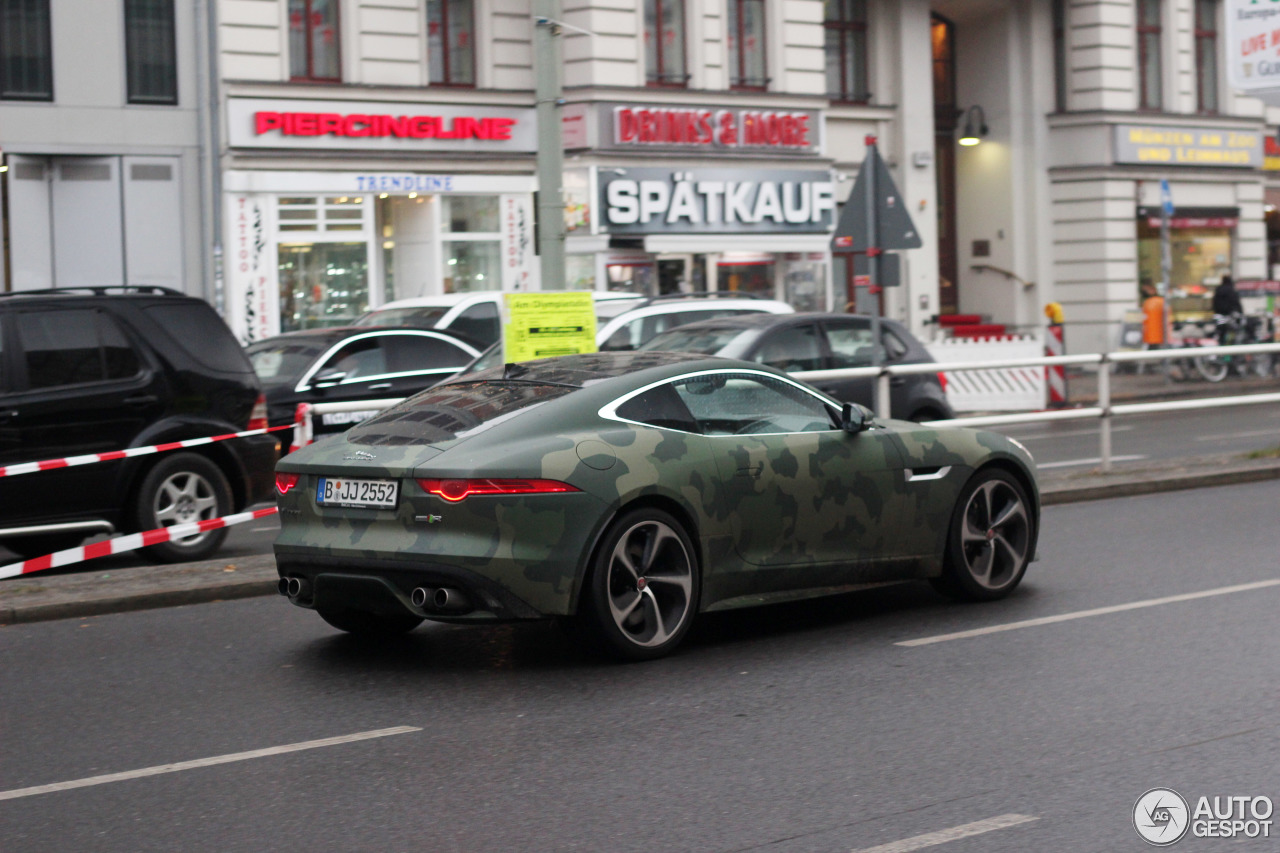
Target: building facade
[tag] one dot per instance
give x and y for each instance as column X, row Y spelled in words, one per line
column 103, row 108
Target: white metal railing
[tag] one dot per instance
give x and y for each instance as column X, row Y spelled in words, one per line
column 1104, row 410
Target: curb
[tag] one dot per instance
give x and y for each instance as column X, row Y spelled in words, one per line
column 32, row 599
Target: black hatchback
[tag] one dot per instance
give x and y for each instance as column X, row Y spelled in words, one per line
column 92, row 370
column 801, row 342
column 353, row 364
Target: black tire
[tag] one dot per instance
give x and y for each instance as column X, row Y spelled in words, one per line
column 362, row 623
column 27, row 547
column 1212, row 368
column 644, row 575
column 180, row 488
column 987, row 556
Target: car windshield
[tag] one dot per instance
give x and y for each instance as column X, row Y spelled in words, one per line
column 282, row 361
column 705, row 341
column 425, row 317
column 448, row 411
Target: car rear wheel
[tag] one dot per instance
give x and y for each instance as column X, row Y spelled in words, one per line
column 366, row 624
column 181, row 489
column 643, row 591
column 990, row 540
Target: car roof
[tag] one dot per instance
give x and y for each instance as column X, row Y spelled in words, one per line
column 449, row 300
column 336, row 333
column 761, row 320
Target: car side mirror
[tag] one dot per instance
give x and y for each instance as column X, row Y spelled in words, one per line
column 328, row 378
column 854, row 418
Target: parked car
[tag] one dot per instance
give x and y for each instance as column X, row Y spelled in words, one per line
column 475, row 315
column 631, row 328
column 351, row 364
column 800, row 342
column 96, row 369
column 629, row 492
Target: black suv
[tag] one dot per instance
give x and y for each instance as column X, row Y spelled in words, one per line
column 96, row 369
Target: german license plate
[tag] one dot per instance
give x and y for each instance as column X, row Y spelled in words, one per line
column 340, row 491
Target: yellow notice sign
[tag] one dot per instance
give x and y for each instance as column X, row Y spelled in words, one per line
column 541, row 325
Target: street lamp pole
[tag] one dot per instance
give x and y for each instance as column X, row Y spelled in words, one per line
column 549, row 90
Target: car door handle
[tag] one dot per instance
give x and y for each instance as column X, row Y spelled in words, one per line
column 141, row 400
column 751, row 470
column 380, row 386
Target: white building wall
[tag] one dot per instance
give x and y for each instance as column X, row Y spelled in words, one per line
column 391, row 43
column 1102, row 55
column 251, row 40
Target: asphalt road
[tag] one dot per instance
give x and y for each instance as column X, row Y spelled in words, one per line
column 807, row 727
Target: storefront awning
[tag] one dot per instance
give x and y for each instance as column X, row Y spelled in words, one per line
column 710, row 243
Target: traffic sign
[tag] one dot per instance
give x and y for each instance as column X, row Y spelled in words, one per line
column 893, row 226
column 1166, row 197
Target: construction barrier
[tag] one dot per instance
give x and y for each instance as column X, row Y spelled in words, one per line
column 1056, row 374
column 91, row 458
column 331, row 415
column 129, row 542
column 997, row 389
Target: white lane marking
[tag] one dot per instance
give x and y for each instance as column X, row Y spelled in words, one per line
column 203, row 762
column 955, row 833
column 1095, row 461
column 260, row 529
column 1068, row 433
column 1084, row 614
column 1253, row 434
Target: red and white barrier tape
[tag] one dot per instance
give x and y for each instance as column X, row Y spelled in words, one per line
column 91, row 458
column 130, row 542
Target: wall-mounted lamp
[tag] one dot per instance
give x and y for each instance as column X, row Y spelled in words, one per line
column 975, row 126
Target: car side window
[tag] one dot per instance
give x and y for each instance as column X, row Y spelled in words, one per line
column 358, row 359
column 790, row 349
column 851, row 345
column 480, row 321
column 659, row 407
column 748, row 403
column 628, row 337
column 74, row 347
column 893, row 345
column 411, row 353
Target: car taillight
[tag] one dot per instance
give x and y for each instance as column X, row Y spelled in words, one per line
column 258, row 417
column 456, row 490
column 942, row 380
column 285, row 482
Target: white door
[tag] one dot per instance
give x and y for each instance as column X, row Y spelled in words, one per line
column 30, row 234
column 153, row 222
column 88, row 227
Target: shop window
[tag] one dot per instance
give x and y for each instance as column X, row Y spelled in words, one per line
column 747, row 45
column 1201, row 256
column 664, row 48
column 149, row 46
column 748, row 272
column 26, row 53
column 845, row 32
column 451, row 50
column 1150, row 66
column 322, row 284
column 1207, row 56
column 629, row 275
column 327, row 213
column 472, row 265
column 804, row 277
column 314, row 44
column 469, row 213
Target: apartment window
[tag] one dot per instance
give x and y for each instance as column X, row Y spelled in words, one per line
column 149, row 47
column 26, row 57
column 1207, row 56
column 1149, row 65
column 1060, row 70
column 746, row 45
column 845, row 28
column 313, row 41
column 664, row 43
column 451, row 42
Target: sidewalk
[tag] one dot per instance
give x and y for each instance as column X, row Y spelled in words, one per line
column 1128, row 387
column 35, row 598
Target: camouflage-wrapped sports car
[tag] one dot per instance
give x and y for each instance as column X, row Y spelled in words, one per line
column 630, row 492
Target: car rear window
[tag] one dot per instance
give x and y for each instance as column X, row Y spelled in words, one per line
column 423, row 318
column 282, row 362
column 449, row 411
column 200, row 332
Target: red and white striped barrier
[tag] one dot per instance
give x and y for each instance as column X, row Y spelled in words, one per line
column 1055, row 374
column 304, row 416
column 130, row 542
column 91, row 458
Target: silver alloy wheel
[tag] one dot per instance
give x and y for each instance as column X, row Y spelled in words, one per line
column 650, row 583
column 996, row 534
column 185, row 497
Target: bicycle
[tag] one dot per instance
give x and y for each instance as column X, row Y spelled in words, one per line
column 1238, row 329
column 1183, row 368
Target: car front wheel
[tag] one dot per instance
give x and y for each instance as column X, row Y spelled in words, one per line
column 990, row 540
column 643, row 591
column 181, row 489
